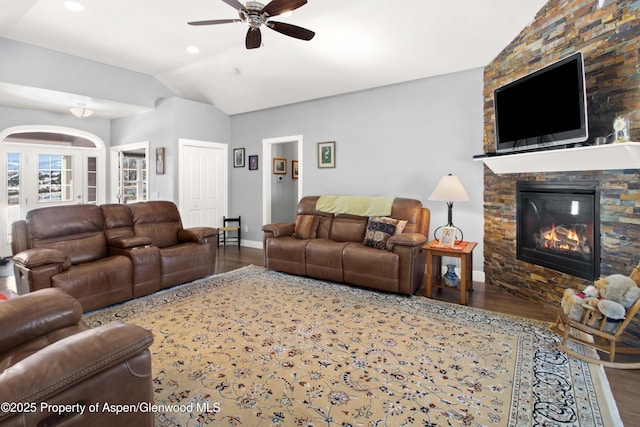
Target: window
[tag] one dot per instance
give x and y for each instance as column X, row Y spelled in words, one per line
column 134, row 177
column 54, row 178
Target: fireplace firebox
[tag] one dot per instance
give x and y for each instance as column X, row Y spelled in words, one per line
column 558, row 226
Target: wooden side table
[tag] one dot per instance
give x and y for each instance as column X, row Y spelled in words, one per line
column 434, row 267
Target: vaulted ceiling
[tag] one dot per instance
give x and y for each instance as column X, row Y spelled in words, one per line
column 359, row 44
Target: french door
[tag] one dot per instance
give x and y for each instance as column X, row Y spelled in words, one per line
column 39, row 176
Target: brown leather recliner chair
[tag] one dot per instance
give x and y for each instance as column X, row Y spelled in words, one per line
column 185, row 253
column 49, row 356
column 65, row 247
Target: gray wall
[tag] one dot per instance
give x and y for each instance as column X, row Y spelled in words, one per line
column 10, row 117
column 397, row 140
column 173, row 118
column 25, row 64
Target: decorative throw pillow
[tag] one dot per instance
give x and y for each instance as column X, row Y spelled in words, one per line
column 379, row 231
column 306, row 227
column 402, row 223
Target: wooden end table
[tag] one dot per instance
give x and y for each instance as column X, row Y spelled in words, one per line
column 434, row 267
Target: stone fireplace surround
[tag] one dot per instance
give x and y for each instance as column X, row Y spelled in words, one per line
column 619, row 229
column 608, row 38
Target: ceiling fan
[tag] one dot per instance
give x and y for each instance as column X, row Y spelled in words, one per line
column 256, row 14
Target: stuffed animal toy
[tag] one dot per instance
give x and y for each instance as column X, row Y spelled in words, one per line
column 614, row 312
column 592, row 312
column 611, row 309
column 591, row 292
column 618, row 288
column 573, row 303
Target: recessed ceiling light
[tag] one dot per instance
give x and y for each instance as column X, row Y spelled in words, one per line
column 193, row 49
column 74, row 5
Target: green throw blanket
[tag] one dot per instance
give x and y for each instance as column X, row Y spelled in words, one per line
column 356, row 205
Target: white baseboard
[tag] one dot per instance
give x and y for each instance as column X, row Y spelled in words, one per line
column 251, row 244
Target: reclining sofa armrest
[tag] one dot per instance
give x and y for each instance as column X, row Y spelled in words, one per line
column 70, row 361
column 131, row 242
column 38, row 257
column 36, row 314
column 407, row 239
column 279, row 230
column 34, row 268
column 197, row 234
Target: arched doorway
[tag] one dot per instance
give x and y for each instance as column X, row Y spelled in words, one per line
column 48, row 166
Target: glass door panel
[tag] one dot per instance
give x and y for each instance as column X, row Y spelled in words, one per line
column 55, row 178
column 14, row 167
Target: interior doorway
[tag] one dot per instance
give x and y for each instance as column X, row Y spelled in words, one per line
column 268, row 145
column 129, row 173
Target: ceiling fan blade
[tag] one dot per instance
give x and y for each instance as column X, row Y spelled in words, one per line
column 291, row 30
column 276, row 7
column 254, row 38
column 214, row 22
column 235, row 4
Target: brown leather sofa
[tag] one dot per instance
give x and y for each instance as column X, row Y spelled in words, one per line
column 49, row 357
column 102, row 255
column 335, row 250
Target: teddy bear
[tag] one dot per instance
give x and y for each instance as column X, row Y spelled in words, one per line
column 619, row 288
column 573, row 303
column 617, row 293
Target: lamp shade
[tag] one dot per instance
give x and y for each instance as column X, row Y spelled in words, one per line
column 450, row 189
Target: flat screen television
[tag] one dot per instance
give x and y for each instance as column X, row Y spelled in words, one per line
column 544, row 109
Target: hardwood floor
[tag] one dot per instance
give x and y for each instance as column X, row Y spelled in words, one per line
column 625, row 384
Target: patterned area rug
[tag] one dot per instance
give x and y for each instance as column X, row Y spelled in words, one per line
column 259, row 348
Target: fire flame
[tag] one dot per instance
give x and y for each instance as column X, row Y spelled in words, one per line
column 553, row 241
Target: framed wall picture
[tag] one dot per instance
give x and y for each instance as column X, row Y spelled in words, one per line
column 160, row 161
column 279, row 166
column 448, row 236
column 327, row 154
column 238, row 157
column 253, row 162
column 294, row 169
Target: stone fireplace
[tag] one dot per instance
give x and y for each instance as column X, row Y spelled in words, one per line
column 608, row 37
column 557, row 226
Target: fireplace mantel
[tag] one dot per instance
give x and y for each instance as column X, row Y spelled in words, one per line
column 624, row 155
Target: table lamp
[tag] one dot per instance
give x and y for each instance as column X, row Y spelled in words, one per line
column 449, row 189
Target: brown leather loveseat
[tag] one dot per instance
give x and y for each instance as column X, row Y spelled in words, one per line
column 55, row 370
column 102, row 255
column 353, row 249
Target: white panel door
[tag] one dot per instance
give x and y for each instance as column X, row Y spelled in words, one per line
column 203, row 184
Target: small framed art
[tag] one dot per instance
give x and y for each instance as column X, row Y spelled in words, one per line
column 160, row 161
column 294, row 169
column 327, row 154
column 238, row 157
column 448, row 236
column 253, row 162
column 279, row 166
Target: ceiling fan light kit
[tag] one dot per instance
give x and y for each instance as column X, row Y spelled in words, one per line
column 256, row 14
